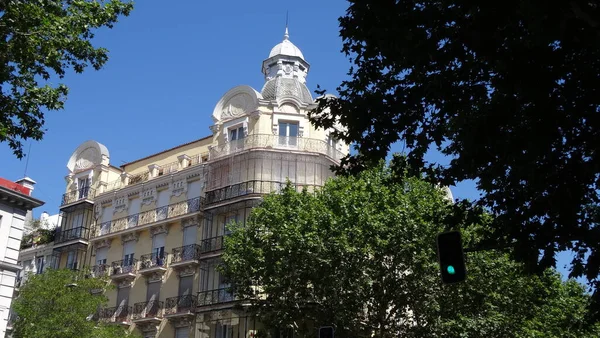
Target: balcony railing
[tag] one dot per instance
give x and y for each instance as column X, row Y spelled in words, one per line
column 180, row 305
column 150, row 216
column 152, row 260
column 186, row 253
column 124, row 266
column 213, row 297
column 79, row 194
column 100, row 270
column 249, row 187
column 149, row 309
column 269, row 141
column 117, row 314
column 72, row 234
column 211, row 244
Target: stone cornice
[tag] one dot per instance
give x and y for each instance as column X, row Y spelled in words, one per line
column 18, row 200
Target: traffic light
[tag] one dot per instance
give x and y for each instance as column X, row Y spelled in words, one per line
column 451, row 257
column 326, row 332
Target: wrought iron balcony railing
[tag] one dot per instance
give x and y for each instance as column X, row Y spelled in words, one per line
column 117, row 314
column 100, row 270
column 152, row 260
column 150, row 216
column 249, row 187
column 181, row 304
column 186, row 253
column 212, row 297
column 79, row 194
column 149, row 309
column 211, row 244
column 72, row 234
column 123, row 266
column 270, row 141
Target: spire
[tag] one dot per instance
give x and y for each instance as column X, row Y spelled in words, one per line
column 286, row 36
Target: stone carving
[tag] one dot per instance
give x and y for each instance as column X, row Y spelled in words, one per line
column 104, row 243
column 87, row 158
column 182, row 321
column 237, row 105
column 178, row 187
column 190, row 221
column 132, row 236
column 187, row 270
column 155, row 277
column 149, row 329
column 159, row 229
column 125, row 283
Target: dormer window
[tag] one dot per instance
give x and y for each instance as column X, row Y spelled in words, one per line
column 236, row 133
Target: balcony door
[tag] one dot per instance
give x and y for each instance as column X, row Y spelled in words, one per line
column 152, row 295
column 158, row 249
column 288, row 134
column 122, row 302
column 100, row 267
column 236, row 138
column 83, row 186
column 128, row 251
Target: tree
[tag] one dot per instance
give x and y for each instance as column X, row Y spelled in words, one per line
column 58, row 303
column 508, row 90
column 360, row 255
column 43, row 40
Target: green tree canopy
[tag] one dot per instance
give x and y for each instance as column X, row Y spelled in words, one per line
column 360, row 255
column 59, row 304
column 42, row 40
column 507, row 89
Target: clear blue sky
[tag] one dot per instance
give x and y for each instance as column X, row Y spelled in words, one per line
column 169, row 65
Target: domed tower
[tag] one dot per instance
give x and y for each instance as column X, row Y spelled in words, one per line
column 285, row 72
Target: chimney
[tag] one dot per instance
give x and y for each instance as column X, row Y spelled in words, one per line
column 27, row 183
column 44, row 216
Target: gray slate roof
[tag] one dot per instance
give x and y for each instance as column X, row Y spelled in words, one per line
column 280, row 87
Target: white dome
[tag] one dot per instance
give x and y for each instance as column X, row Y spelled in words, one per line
column 286, row 47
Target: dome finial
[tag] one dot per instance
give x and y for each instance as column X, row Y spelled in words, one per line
column 286, row 36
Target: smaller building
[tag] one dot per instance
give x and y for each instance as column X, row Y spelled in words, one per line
column 15, row 204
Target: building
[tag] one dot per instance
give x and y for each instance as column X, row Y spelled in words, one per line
column 156, row 225
column 15, row 203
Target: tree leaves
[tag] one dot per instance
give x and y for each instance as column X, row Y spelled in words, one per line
column 360, row 255
column 508, row 90
column 57, row 303
column 41, row 40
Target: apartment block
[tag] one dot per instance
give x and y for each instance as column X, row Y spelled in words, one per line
column 156, row 225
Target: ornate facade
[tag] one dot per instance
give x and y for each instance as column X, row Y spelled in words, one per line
column 156, row 225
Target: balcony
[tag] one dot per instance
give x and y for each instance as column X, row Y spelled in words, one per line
column 269, row 141
column 185, row 256
column 85, row 193
column 147, row 312
column 100, row 270
column 249, row 188
column 117, row 315
column 159, row 214
column 211, row 246
column 79, row 233
column 180, row 306
column 214, row 297
column 124, row 269
column 153, row 264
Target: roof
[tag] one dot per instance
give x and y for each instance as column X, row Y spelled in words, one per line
column 280, row 87
column 164, row 151
column 14, row 186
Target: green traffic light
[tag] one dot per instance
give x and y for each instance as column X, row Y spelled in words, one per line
column 450, row 269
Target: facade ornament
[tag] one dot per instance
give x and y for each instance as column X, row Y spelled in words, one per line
column 178, row 187
column 103, row 243
column 149, row 329
column 159, row 229
column 125, row 283
column 190, row 221
column 132, row 236
column 148, row 196
column 155, row 277
column 188, row 270
column 182, row 321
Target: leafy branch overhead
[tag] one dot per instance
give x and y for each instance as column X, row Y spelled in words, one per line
column 507, row 89
column 42, row 40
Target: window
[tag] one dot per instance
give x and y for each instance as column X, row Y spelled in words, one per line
column 71, row 260
column 158, row 249
column 39, row 263
column 83, row 186
column 185, row 285
column 224, row 331
column 182, row 332
column 228, row 221
column 76, row 220
column 288, row 134
column 236, row 133
column 128, row 250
